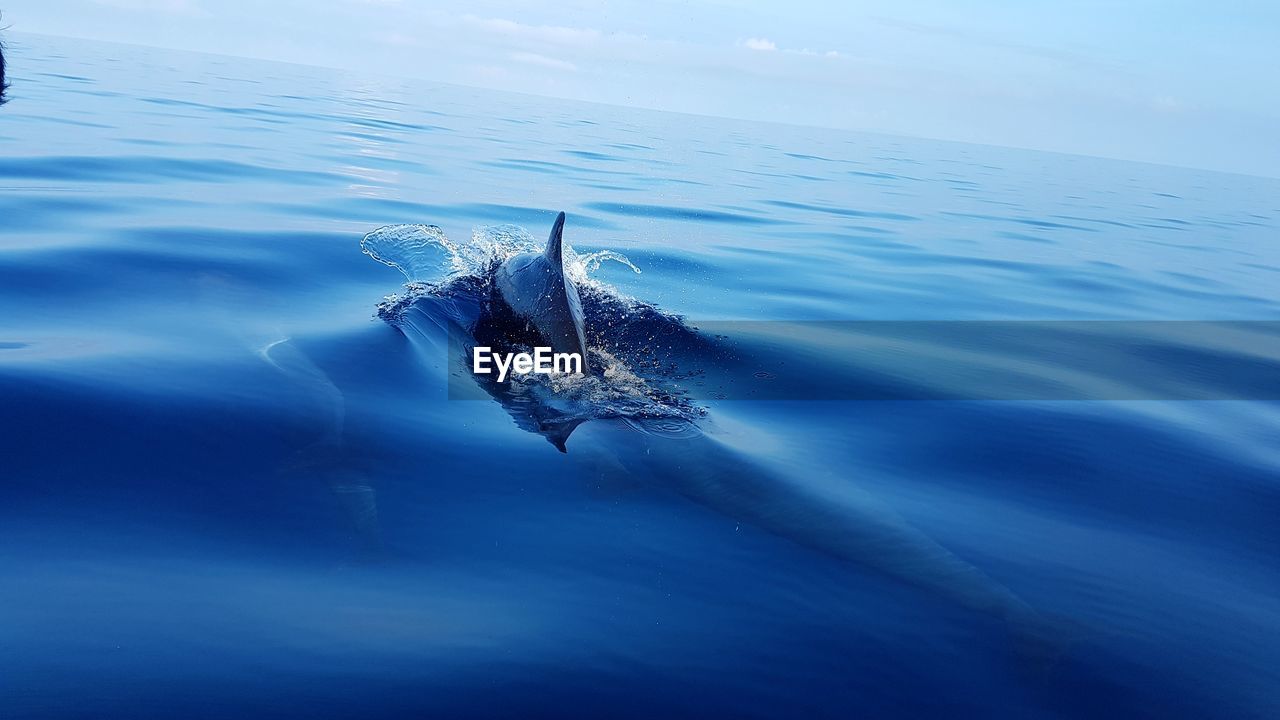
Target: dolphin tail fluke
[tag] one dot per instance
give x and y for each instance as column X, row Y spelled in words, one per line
column 556, row 242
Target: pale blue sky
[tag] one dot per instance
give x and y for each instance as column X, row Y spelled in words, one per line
column 1178, row 82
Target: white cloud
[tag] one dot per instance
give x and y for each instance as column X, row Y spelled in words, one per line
column 543, row 61
column 767, row 45
column 189, row 8
column 557, row 34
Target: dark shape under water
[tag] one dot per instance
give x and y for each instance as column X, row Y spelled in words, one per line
column 4, row 85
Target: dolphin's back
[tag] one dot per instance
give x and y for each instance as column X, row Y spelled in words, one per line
column 537, row 290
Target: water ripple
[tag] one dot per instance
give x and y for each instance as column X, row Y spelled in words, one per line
column 678, row 213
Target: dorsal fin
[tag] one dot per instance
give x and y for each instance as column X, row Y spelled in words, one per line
column 554, row 252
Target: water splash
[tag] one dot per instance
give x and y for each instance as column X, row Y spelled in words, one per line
column 423, row 253
column 583, row 265
column 420, row 252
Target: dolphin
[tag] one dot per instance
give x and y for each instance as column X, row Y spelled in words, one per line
column 534, row 287
column 699, row 461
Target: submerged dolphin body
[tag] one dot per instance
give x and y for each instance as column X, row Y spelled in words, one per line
column 827, row 515
column 537, row 291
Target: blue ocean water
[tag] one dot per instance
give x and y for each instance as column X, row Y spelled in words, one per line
column 231, row 487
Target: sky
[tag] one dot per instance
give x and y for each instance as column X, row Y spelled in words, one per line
column 1177, row 82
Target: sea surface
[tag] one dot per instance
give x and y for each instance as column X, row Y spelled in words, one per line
column 241, row 475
